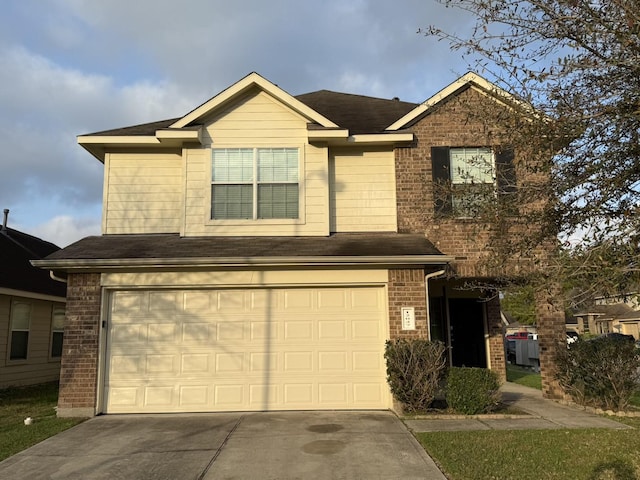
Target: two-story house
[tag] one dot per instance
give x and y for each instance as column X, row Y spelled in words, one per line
column 257, row 253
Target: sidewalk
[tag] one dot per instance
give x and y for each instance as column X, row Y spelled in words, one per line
column 541, row 413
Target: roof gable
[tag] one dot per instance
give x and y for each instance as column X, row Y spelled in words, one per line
column 252, row 80
column 468, row 80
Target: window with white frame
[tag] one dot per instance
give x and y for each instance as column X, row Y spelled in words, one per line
column 57, row 331
column 472, row 179
column 255, row 183
column 20, row 326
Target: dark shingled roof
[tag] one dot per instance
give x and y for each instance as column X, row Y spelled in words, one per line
column 357, row 113
column 16, row 249
column 144, row 129
column 161, row 246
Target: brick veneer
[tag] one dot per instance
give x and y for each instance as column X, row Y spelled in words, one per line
column 451, row 124
column 79, row 366
column 551, row 337
column 406, row 289
column 496, row 339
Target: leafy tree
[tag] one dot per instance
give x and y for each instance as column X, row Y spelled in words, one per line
column 519, row 302
column 575, row 66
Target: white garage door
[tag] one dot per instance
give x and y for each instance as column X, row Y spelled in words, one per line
column 247, row 350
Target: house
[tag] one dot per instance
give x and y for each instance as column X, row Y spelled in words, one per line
column 608, row 318
column 32, row 310
column 257, row 252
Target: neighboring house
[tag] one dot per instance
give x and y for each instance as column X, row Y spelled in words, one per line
column 258, row 252
column 32, row 310
column 608, row 318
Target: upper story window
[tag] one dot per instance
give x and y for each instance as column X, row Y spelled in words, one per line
column 255, row 183
column 20, row 326
column 467, row 179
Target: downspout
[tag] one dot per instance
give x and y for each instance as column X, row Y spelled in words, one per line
column 56, row 278
column 427, row 277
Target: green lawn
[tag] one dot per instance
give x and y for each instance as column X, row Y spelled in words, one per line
column 590, row 454
column 37, row 402
column 523, row 376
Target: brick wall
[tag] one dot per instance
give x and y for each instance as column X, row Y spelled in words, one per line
column 470, row 241
column 496, row 338
column 551, row 337
column 79, row 366
column 406, row 289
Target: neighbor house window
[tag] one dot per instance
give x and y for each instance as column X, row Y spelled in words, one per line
column 467, row 179
column 254, row 183
column 20, row 324
column 57, row 331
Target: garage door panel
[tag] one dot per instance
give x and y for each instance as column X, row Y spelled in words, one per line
column 263, row 349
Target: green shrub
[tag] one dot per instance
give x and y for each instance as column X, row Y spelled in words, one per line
column 601, row 372
column 415, row 369
column 472, row 390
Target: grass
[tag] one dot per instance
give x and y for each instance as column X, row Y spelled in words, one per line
column 590, row 454
column 523, row 376
column 37, row 402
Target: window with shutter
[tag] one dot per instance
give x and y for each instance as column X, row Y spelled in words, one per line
column 466, row 178
column 255, row 183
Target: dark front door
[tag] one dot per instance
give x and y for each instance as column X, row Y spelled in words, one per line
column 466, row 317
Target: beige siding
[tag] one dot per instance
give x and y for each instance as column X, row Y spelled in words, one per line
column 143, row 193
column 257, row 120
column 38, row 368
column 363, row 193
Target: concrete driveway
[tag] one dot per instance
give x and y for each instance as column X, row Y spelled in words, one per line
column 280, row 445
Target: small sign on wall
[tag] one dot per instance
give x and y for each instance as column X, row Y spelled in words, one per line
column 408, row 318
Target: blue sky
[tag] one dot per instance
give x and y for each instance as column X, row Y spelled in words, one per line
column 71, row 67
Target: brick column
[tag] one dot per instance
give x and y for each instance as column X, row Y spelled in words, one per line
column 551, row 337
column 79, row 364
column 496, row 338
column 406, row 289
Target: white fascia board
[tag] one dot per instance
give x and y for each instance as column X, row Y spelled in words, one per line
column 251, row 80
column 117, row 140
column 187, row 263
column 468, row 78
column 36, row 296
column 332, row 134
column 386, row 138
column 186, row 135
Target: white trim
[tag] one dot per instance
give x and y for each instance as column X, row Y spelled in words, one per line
column 185, row 263
column 32, row 295
column 117, row 139
column 253, row 80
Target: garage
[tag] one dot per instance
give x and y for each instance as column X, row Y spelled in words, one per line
column 245, row 349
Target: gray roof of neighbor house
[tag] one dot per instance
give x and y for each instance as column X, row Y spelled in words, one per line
column 357, row 113
column 17, row 273
column 619, row 311
column 159, row 247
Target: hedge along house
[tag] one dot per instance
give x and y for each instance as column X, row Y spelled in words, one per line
column 32, row 310
column 257, row 252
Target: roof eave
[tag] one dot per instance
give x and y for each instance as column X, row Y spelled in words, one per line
column 97, row 145
column 80, row 265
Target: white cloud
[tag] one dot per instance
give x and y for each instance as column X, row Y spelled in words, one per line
column 80, row 66
column 64, row 230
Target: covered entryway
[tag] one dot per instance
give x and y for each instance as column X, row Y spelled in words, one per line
column 245, row 350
